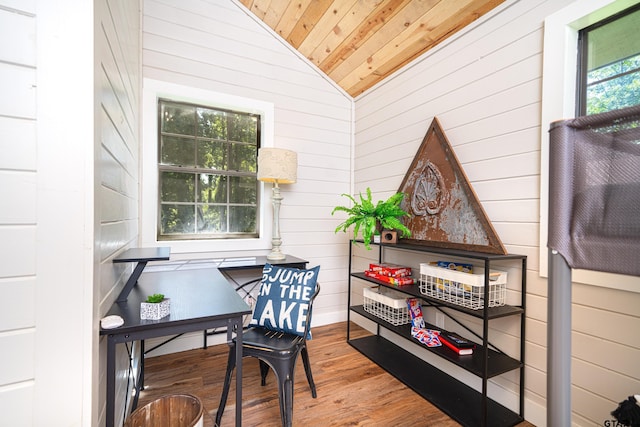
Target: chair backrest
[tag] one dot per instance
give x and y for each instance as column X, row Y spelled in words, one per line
column 285, row 300
column 307, row 322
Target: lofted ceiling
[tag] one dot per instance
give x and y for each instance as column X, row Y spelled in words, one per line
column 357, row 43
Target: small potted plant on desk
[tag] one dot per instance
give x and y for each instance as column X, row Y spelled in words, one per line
column 155, row 307
column 371, row 218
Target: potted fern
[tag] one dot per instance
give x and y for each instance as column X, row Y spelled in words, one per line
column 371, row 218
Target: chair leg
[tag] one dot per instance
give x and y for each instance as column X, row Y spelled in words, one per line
column 264, row 370
column 307, row 370
column 231, row 364
column 285, row 392
column 288, row 402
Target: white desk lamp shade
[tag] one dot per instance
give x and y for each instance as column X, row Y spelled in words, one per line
column 278, row 166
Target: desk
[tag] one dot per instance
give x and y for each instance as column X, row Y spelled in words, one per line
column 200, row 299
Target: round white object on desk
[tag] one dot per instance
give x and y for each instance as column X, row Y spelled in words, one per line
column 111, row 322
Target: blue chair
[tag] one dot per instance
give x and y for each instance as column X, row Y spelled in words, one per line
column 278, row 351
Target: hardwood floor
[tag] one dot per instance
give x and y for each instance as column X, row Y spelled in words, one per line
column 352, row 390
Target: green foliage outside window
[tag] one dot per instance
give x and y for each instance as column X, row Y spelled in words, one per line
column 614, row 86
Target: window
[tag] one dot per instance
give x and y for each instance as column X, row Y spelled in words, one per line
column 609, row 64
column 207, row 164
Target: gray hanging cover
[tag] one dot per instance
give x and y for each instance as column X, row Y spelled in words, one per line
column 594, row 191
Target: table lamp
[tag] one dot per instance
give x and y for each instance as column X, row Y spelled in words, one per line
column 278, row 166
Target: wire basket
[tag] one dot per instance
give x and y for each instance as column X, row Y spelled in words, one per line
column 386, row 304
column 465, row 289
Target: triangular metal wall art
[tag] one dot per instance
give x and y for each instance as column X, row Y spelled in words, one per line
column 444, row 210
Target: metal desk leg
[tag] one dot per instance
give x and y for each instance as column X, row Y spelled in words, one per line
column 141, row 379
column 111, row 380
column 138, row 382
column 133, row 279
column 238, row 329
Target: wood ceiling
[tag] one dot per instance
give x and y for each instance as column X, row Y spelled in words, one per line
column 358, row 43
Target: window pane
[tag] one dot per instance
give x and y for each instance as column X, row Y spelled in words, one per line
column 177, row 151
column 177, row 187
column 242, row 219
column 177, row 118
column 212, row 188
column 243, row 190
column 243, row 128
column 177, row 219
column 212, row 123
column 212, row 155
column 213, row 219
column 614, row 41
column 609, row 73
column 243, row 158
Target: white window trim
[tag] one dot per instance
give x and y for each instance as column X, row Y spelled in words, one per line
column 558, row 102
column 151, row 91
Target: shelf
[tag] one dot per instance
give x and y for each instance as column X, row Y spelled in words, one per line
column 453, row 397
column 499, row 363
column 446, row 251
column 414, row 290
column 461, row 402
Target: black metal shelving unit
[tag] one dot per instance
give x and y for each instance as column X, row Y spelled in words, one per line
column 461, row 402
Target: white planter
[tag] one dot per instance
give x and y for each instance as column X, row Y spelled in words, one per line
column 155, row 310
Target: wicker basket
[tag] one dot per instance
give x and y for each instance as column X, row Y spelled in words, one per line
column 386, row 304
column 465, row 289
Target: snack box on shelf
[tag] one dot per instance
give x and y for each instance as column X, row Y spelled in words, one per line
column 396, row 281
column 387, row 269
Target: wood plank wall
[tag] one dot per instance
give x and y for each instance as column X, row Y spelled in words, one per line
column 118, row 80
column 484, row 86
column 216, row 46
column 18, row 216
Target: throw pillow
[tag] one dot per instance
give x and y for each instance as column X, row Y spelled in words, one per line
column 283, row 298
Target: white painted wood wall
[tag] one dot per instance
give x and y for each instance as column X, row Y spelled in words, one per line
column 118, row 82
column 484, row 85
column 18, row 214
